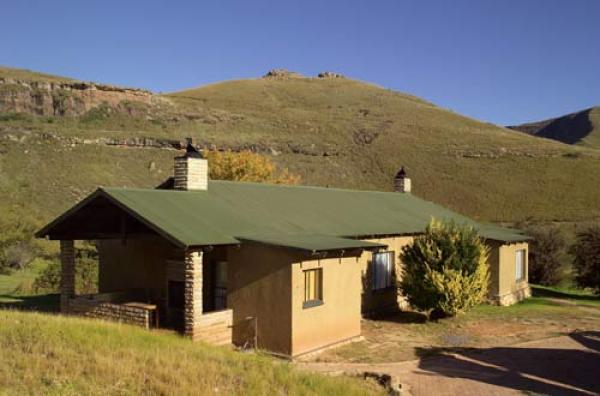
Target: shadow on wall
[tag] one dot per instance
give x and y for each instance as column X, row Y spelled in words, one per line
column 382, row 302
column 41, row 303
column 536, row 370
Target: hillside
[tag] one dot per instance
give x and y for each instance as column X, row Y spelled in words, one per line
column 50, row 354
column 582, row 128
column 332, row 131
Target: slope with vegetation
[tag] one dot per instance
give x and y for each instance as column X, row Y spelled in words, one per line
column 330, row 131
column 46, row 354
column 582, row 128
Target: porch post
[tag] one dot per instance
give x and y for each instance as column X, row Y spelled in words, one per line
column 67, row 273
column 193, row 291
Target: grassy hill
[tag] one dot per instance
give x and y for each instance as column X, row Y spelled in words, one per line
column 582, row 128
column 48, row 354
column 332, row 131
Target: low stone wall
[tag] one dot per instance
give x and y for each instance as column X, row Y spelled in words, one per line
column 214, row 327
column 97, row 308
column 511, row 298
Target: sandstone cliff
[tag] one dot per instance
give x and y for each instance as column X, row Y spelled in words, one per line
column 67, row 98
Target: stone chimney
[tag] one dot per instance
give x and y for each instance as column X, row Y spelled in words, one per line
column 191, row 170
column 401, row 182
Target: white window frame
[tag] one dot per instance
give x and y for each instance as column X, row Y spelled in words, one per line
column 520, row 265
column 383, row 264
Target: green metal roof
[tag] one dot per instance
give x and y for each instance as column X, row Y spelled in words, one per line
column 299, row 216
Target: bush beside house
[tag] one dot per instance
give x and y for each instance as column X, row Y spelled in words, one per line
column 445, row 270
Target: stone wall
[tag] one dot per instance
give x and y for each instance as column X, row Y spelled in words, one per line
column 123, row 313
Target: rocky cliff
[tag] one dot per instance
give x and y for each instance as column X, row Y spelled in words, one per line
column 68, row 98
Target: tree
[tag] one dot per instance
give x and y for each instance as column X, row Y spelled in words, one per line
column 546, row 255
column 247, row 166
column 445, row 270
column 586, row 262
column 86, row 272
column 17, row 247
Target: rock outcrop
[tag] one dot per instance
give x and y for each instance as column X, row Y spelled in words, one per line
column 66, row 98
column 282, row 74
column 330, row 74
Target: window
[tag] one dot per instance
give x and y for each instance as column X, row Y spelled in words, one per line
column 383, row 270
column 313, row 287
column 520, row 265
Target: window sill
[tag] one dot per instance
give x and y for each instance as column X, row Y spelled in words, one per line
column 312, row 303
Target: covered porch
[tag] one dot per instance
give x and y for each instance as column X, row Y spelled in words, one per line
column 146, row 277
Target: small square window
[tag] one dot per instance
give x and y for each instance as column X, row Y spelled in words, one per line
column 313, row 287
column 383, row 270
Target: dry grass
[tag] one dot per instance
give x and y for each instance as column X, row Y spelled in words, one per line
column 49, row 354
column 407, row 336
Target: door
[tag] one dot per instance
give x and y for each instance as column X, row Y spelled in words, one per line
column 220, row 286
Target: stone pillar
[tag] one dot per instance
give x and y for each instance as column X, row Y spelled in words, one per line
column 193, row 291
column 67, row 274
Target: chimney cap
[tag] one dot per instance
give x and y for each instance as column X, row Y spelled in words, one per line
column 401, row 173
column 190, row 150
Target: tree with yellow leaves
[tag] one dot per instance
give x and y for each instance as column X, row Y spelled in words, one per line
column 248, row 167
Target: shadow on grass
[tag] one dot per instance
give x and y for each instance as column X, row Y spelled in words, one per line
column 42, row 303
column 403, row 317
column 550, row 371
column 539, row 291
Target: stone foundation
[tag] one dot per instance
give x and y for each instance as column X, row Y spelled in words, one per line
column 130, row 313
column 511, row 298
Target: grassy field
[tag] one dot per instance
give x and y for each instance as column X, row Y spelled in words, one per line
column 50, row 354
column 406, row 336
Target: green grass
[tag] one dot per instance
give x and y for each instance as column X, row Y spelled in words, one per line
column 21, row 279
column 50, row 354
column 29, row 76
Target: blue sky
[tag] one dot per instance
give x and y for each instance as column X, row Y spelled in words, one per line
column 500, row 61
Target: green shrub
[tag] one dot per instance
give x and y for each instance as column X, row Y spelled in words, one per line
column 586, row 263
column 86, row 272
column 17, row 246
column 546, row 256
column 445, row 270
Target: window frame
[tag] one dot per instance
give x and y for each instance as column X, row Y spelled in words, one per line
column 523, row 265
column 318, row 288
column 389, row 284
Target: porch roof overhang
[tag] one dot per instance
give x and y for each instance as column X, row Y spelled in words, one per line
column 312, row 243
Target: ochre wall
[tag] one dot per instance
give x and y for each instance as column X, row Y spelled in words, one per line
column 504, row 288
column 508, row 282
column 259, row 286
column 338, row 318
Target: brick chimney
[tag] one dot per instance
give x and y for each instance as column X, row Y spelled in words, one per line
column 191, row 170
column 401, row 182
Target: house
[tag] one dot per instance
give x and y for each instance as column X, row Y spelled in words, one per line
column 290, row 269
